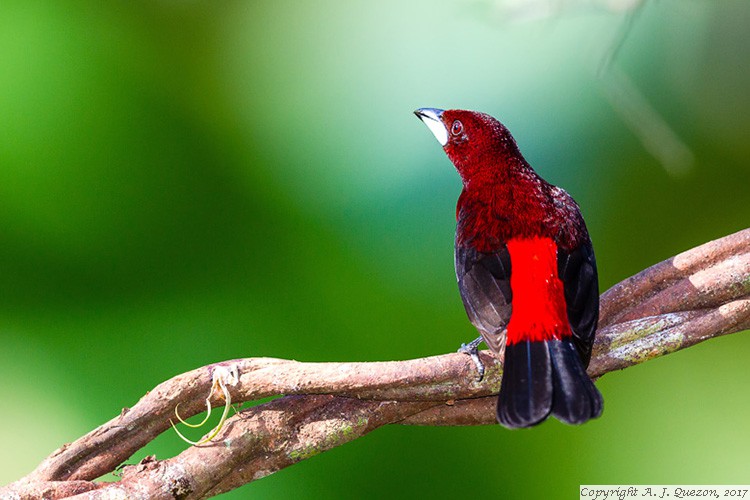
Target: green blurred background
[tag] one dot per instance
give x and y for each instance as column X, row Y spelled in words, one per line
column 183, row 182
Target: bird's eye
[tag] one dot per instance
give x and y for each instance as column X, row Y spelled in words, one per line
column 457, row 128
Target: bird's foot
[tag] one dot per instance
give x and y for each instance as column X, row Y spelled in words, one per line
column 472, row 349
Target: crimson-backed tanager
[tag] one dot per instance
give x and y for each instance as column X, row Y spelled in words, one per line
column 526, row 272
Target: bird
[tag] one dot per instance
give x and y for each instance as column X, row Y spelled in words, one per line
column 526, row 272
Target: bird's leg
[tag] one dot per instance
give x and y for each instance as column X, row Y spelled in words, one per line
column 472, row 349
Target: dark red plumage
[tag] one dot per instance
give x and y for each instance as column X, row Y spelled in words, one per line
column 526, row 272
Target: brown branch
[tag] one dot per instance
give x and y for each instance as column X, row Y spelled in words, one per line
column 699, row 294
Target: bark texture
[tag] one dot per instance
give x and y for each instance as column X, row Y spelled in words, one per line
column 694, row 296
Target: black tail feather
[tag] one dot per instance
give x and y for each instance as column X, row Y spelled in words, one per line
column 575, row 398
column 540, row 378
column 526, row 389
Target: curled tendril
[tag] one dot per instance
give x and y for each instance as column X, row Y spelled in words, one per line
column 221, row 377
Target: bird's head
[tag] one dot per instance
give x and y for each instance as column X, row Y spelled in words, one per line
column 476, row 143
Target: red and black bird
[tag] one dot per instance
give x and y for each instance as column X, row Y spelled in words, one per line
column 526, row 272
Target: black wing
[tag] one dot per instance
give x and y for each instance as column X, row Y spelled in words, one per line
column 484, row 282
column 577, row 270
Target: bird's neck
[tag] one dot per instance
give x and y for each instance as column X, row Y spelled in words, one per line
column 495, row 207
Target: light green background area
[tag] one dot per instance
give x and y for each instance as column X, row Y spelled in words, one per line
column 188, row 182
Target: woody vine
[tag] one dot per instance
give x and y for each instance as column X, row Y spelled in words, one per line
column 694, row 296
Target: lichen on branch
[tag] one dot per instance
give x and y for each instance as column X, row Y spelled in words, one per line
column 694, row 296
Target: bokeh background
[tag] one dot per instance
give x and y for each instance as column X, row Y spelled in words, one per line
column 183, row 182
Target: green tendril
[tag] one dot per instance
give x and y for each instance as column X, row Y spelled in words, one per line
column 220, row 377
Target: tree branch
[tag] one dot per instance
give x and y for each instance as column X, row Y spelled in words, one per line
column 694, row 296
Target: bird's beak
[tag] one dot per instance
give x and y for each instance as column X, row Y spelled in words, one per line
column 433, row 118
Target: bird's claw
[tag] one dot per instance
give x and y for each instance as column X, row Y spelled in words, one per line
column 472, row 349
